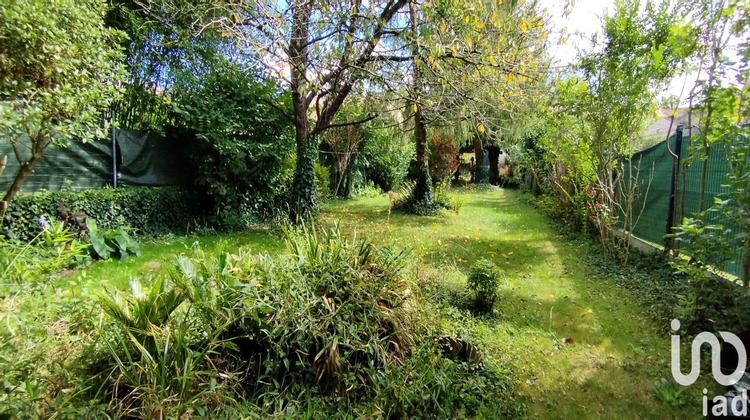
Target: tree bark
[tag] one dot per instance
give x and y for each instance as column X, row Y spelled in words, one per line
column 422, row 193
column 746, row 264
column 302, row 203
column 494, row 156
column 21, row 175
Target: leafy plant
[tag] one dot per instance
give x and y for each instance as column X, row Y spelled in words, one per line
column 53, row 249
column 328, row 318
column 368, row 189
column 669, row 392
column 483, row 282
column 385, row 158
column 148, row 211
column 431, row 385
column 236, row 143
column 60, row 68
column 111, row 243
column 322, row 181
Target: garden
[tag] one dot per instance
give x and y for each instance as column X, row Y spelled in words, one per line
column 398, row 209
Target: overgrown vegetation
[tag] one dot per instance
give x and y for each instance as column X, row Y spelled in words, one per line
column 149, row 212
column 332, row 320
column 236, row 144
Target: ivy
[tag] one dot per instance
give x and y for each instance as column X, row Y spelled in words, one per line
column 302, row 203
column 148, row 211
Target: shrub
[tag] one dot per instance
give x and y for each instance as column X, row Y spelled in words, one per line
column 51, row 251
column 432, row 386
column 322, row 181
column 148, row 211
column 111, row 243
column 328, row 319
column 385, row 158
column 443, row 157
column 483, row 282
column 714, row 304
column 235, row 143
column 404, row 200
column 481, row 173
column 368, row 189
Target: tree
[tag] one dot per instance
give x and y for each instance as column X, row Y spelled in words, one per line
column 58, row 71
column 594, row 115
column 322, row 50
column 158, row 55
column 236, row 145
column 343, row 143
column 463, row 59
column 723, row 105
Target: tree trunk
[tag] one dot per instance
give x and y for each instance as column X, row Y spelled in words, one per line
column 494, row 156
column 21, row 175
column 302, row 203
column 348, row 182
column 746, row 263
column 423, row 186
column 422, row 194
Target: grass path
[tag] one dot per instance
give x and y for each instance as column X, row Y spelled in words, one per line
column 616, row 353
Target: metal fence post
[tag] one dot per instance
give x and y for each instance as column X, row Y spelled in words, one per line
column 669, row 244
column 114, row 152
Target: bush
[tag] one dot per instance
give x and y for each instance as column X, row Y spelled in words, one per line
column 403, row 200
column 443, row 157
column 329, row 319
column 714, row 304
column 148, row 211
column 483, row 282
column 368, row 189
column 51, row 251
column 432, row 386
column 322, row 182
column 236, row 144
column 385, row 158
column 112, row 243
column 481, row 173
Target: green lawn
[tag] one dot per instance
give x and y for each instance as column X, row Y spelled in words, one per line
column 550, row 295
column 616, row 353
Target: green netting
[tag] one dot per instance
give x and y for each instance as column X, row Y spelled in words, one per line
column 78, row 166
column 654, row 184
column 143, row 159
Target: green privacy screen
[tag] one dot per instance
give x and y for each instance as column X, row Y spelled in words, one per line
column 656, row 169
column 141, row 157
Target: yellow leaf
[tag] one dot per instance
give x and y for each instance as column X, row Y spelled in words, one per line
column 480, row 128
column 415, row 108
column 281, row 74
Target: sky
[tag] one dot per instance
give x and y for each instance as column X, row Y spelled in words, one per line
column 585, row 20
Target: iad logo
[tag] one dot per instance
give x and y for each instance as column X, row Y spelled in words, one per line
column 695, row 362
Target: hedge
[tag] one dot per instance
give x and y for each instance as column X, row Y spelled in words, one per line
column 149, row 211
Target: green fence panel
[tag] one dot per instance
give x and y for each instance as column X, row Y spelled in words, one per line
column 654, row 187
column 143, row 159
